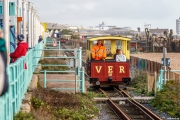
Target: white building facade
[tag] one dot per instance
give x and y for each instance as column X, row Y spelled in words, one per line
column 178, row 26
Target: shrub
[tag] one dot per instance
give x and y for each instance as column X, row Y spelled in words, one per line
column 139, row 82
column 168, row 99
column 36, row 102
column 24, row 116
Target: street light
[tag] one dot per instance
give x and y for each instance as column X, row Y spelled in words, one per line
column 147, row 36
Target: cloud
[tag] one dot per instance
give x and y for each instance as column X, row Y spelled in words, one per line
column 160, row 13
column 73, row 7
column 89, row 6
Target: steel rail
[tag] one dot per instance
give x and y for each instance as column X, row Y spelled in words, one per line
column 115, row 108
column 146, row 111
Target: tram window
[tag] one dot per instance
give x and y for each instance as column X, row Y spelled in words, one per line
column 107, row 43
column 118, row 44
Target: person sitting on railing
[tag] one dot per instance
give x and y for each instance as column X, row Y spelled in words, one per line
column 120, row 57
column 22, row 48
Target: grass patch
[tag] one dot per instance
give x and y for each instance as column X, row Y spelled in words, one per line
column 168, row 99
column 53, row 105
column 54, row 61
column 93, row 94
column 139, row 83
column 24, row 116
column 47, row 53
column 54, row 68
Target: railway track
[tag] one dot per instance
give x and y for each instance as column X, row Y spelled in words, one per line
column 68, row 53
column 128, row 109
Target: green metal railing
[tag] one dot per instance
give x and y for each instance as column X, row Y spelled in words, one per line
column 161, row 79
column 19, row 80
column 80, row 80
column 78, row 69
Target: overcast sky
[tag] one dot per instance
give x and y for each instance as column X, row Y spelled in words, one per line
column 122, row 13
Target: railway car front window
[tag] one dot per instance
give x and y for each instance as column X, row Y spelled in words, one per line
column 107, row 43
column 118, row 44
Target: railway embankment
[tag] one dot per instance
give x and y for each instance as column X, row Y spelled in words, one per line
column 47, row 104
column 146, row 70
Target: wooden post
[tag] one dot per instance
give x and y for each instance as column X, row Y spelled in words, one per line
column 155, row 74
column 173, row 76
column 77, row 78
column 152, row 67
column 149, row 66
column 147, row 73
column 168, row 75
column 155, row 67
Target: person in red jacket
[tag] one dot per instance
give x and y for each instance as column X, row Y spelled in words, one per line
column 22, row 48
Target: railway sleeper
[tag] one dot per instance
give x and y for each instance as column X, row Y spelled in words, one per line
column 137, row 117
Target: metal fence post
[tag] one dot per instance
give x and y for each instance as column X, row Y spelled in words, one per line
column 83, row 81
column 79, row 65
column 44, row 78
column 80, row 57
column 164, row 57
column 80, row 60
column 59, row 47
column 160, row 79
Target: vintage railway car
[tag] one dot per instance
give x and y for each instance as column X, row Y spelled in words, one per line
column 108, row 71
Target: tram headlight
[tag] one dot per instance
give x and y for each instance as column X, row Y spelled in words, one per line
column 97, row 83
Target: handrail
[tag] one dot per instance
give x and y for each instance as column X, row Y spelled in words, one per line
column 19, row 80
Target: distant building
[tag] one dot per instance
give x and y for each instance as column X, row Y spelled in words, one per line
column 178, row 26
column 127, row 28
column 103, row 26
column 158, row 31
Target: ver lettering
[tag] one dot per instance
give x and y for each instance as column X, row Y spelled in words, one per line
column 121, row 69
column 98, row 69
column 110, row 69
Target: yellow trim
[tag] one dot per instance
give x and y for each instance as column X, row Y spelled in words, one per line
column 128, row 51
column 113, row 39
column 45, row 28
column 113, row 46
column 109, row 38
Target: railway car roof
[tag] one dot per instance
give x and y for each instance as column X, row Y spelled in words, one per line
column 109, row 38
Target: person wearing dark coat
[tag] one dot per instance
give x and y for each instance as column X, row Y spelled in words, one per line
column 40, row 39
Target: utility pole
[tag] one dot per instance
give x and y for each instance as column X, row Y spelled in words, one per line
column 164, row 58
column 6, row 27
column 24, row 19
column 19, row 3
column 32, row 26
column 29, row 25
column 147, row 36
